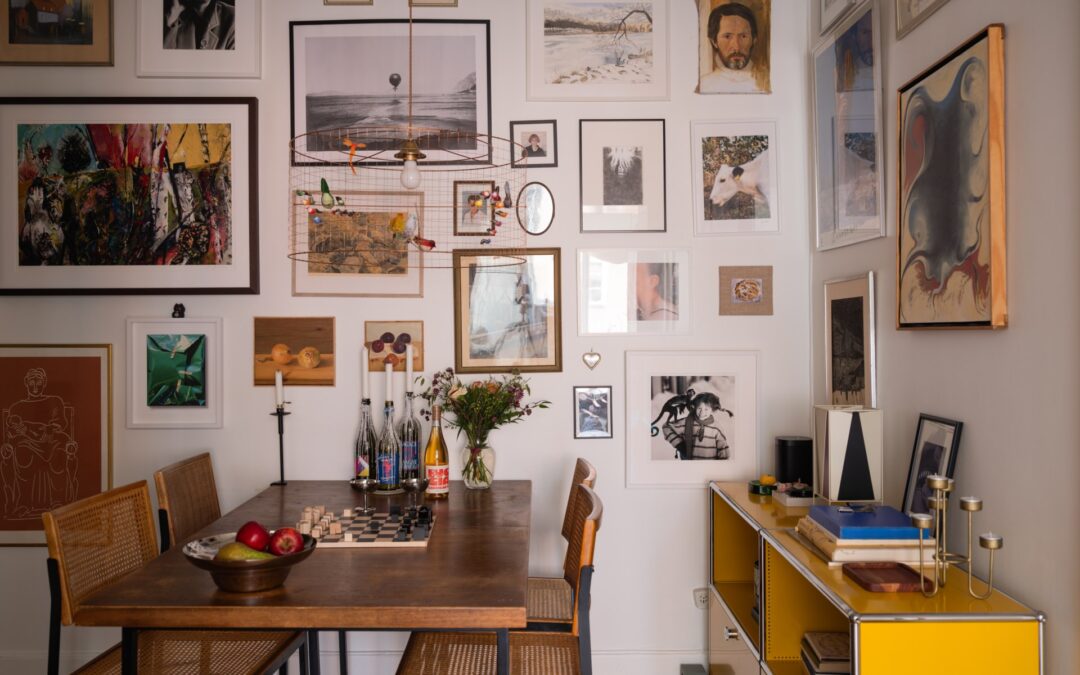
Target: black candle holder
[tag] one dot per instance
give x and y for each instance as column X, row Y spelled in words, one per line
column 280, row 414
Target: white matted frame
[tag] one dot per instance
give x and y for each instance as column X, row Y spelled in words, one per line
column 623, row 175
column 910, row 13
column 830, row 11
column 849, row 164
column 141, row 415
column 592, row 412
column 243, row 60
column 629, row 65
column 522, row 154
column 724, row 386
column 310, row 278
column 433, row 3
column 735, row 177
column 850, row 336
column 636, row 291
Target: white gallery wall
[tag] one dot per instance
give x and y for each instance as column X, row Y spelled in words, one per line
column 652, row 548
column 1016, row 390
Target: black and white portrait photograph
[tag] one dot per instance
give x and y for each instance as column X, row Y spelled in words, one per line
column 198, row 38
column 693, row 416
column 534, row 143
column 623, row 175
column 449, row 90
column 592, row 412
column 198, row 24
column 507, row 310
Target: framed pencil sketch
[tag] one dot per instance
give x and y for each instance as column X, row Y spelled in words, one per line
column 353, row 251
column 934, row 454
column 534, row 143
column 850, row 368
column 849, row 179
column 129, row 195
column 451, row 66
column 507, row 310
column 734, row 177
column 212, row 39
column 623, row 175
column 474, row 215
column 175, row 373
column 746, row 290
column 56, row 34
column 596, row 50
column 950, row 264
column 635, row 291
column 910, row 13
column 592, row 412
column 691, row 417
column 830, row 11
column 55, row 432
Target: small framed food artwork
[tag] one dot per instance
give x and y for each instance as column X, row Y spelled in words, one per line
column 746, row 290
column 387, row 341
column 302, row 348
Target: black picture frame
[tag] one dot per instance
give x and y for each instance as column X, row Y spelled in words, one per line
column 551, row 158
column 622, row 192
column 599, row 413
column 923, row 465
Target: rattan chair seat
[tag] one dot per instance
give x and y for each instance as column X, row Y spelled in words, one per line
column 549, row 600
column 531, row 653
column 180, row 652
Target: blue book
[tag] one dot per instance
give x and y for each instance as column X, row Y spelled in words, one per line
column 883, row 522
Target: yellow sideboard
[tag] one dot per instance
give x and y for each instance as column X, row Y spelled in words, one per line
column 891, row 633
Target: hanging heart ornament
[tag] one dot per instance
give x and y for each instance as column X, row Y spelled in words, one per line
column 591, row 359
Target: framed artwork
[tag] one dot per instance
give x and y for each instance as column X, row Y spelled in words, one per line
column 735, row 40
column 951, row 193
column 623, row 174
column 535, row 208
column 734, row 172
column 221, row 39
column 637, row 291
column 56, row 34
column 302, row 348
column 910, row 13
column 849, row 180
column 592, row 412
column 507, row 310
column 451, row 66
column 175, row 373
column 353, row 251
column 934, row 454
column 386, row 343
column 534, row 143
column 829, row 11
column 597, row 50
column 850, row 368
column 691, row 417
column 55, row 432
column 473, row 214
column 746, row 290
column 129, row 195
column 348, row 2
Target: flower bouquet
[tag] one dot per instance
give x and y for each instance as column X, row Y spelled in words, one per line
column 477, row 409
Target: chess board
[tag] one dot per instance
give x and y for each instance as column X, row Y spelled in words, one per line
column 396, row 529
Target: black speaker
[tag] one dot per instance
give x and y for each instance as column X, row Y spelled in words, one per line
column 795, row 459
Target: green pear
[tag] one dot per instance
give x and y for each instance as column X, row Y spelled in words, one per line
column 238, row 551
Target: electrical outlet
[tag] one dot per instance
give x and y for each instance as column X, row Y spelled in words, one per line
column 701, row 598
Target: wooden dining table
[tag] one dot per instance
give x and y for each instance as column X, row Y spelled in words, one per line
column 472, row 575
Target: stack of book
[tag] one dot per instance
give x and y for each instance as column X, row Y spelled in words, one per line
column 826, row 653
column 881, row 535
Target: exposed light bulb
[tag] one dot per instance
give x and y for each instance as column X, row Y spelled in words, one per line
column 410, row 175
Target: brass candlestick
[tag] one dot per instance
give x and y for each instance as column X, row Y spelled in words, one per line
column 939, row 504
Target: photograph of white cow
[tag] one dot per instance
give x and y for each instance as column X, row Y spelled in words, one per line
column 735, row 178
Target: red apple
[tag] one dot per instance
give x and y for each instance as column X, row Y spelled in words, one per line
column 286, row 540
column 254, row 535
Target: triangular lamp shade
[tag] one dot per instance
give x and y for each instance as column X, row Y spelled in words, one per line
column 848, row 453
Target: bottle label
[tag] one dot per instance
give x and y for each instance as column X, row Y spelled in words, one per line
column 410, row 456
column 438, row 479
column 387, row 470
column 362, row 467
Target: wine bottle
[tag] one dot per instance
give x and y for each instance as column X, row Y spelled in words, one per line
column 364, row 445
column 388, row 454
column 409, row 433
column 436, row 459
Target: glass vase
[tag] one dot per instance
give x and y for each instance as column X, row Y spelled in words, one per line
column 478, row 467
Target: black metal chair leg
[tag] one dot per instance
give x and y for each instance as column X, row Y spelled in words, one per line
column 343, row 652
column 304, row 670
column 53, row 568
column 314, row 667
column 502, row 653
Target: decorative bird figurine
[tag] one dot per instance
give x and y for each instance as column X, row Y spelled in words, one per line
column 412, row 226
column 506, row 200
column 397, row 224
column 327, row 199
column 353, row 147
column 423, row 244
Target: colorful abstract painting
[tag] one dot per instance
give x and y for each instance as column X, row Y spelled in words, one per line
column 951, row 269
column 124, row 194
column 176, row 370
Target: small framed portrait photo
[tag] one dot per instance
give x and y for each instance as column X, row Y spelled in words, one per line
column 534, row 143
column 592, row 412
column 473, row 213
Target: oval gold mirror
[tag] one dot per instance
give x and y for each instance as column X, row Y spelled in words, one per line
column 535, row 208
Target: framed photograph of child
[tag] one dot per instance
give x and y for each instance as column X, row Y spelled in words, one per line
column 592, row 412
column 691, row 417
column 534, row 143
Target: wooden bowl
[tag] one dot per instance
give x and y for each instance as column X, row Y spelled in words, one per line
column 243, row 576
